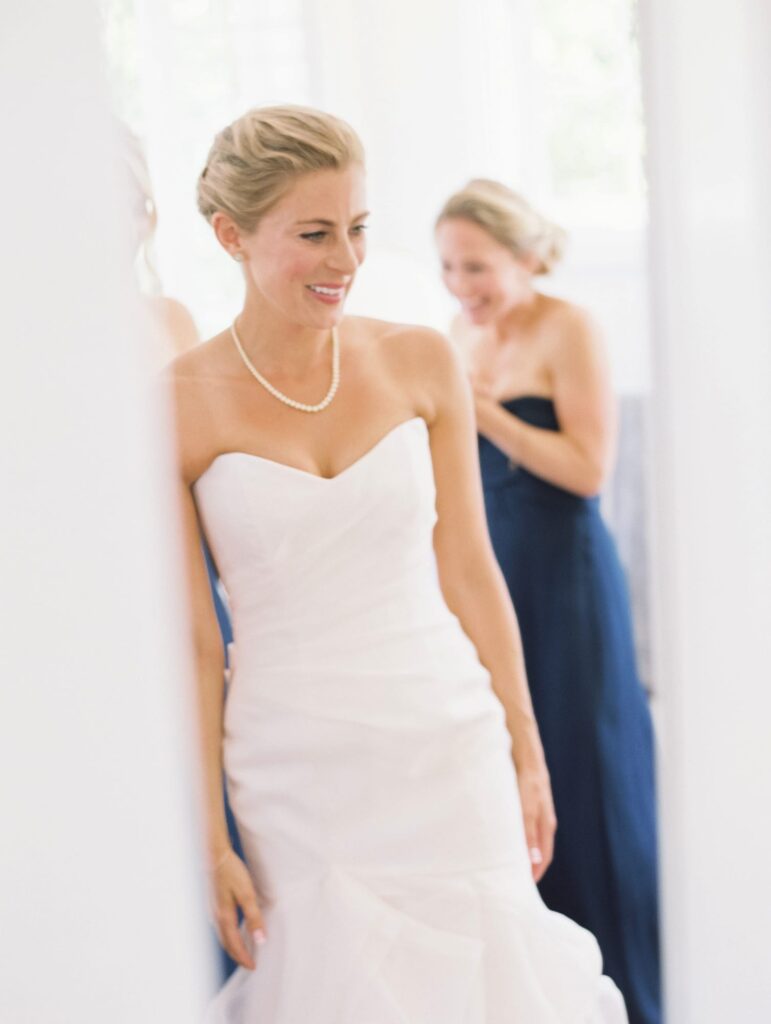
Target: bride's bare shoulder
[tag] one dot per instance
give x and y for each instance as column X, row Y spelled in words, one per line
column 398, row 341
column 419, row 359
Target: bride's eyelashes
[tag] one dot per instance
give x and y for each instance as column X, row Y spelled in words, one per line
column 319, row 236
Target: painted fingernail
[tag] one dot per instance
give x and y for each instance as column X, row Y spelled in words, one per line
column 259, row 937
column 535, row 855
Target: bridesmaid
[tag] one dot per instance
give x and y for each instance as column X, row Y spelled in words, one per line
column 175, row 329
column 546, row 421
column 175, row 333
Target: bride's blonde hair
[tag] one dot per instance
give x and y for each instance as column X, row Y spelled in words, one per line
column 510, row 219
column 253, row 161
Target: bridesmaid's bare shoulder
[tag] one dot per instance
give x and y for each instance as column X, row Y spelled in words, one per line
column 198, row 383
column 205, row 361
column 176, row 321
column 573, row 337
column 563, row 316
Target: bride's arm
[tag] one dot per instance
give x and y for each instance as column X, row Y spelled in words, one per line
column 473, row 584
column 209, row 665
column 230, row 883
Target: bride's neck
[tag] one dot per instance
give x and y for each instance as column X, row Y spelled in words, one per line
column 277, row 344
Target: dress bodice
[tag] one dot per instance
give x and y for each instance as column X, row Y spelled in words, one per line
column 323, row 572
column 278, row 533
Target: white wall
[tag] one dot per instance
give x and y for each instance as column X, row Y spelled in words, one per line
column 424, row 84
column 101, row 917
column 441, row 91
column 709, row 111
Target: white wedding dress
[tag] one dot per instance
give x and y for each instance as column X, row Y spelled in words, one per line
column 369, row 766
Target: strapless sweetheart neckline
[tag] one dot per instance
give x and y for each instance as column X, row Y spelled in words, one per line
column 283, row 466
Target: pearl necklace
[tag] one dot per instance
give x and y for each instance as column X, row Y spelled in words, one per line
column 300, row 406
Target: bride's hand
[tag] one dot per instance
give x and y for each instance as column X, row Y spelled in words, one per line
column 231, row 887
column 539, row 817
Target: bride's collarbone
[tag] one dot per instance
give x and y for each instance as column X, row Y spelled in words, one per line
column 368, row 406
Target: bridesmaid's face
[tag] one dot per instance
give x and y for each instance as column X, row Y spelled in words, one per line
column 305, row 252
column 483, row 275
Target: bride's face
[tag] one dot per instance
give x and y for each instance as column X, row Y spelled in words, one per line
column 305, row 252
column 483, row 275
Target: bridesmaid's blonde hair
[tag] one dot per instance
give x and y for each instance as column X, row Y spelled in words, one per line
column 253, row 161
column 510, row 219
column 144, row 215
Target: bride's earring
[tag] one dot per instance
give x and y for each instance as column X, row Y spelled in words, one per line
column 238, row 257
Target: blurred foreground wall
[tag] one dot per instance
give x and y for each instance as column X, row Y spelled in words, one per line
column 708, row 82
column 101, row 918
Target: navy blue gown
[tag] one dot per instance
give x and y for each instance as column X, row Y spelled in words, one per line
column 571, row 600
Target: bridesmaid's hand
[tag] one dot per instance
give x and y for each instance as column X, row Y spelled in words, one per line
column 480, row 385
column 231, row 887
column 485, row 404
column 538, row 814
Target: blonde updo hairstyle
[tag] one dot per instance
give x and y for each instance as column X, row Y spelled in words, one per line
column 255, row 160
column 509, row 219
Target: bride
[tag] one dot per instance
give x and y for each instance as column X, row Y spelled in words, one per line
column 377, row 734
